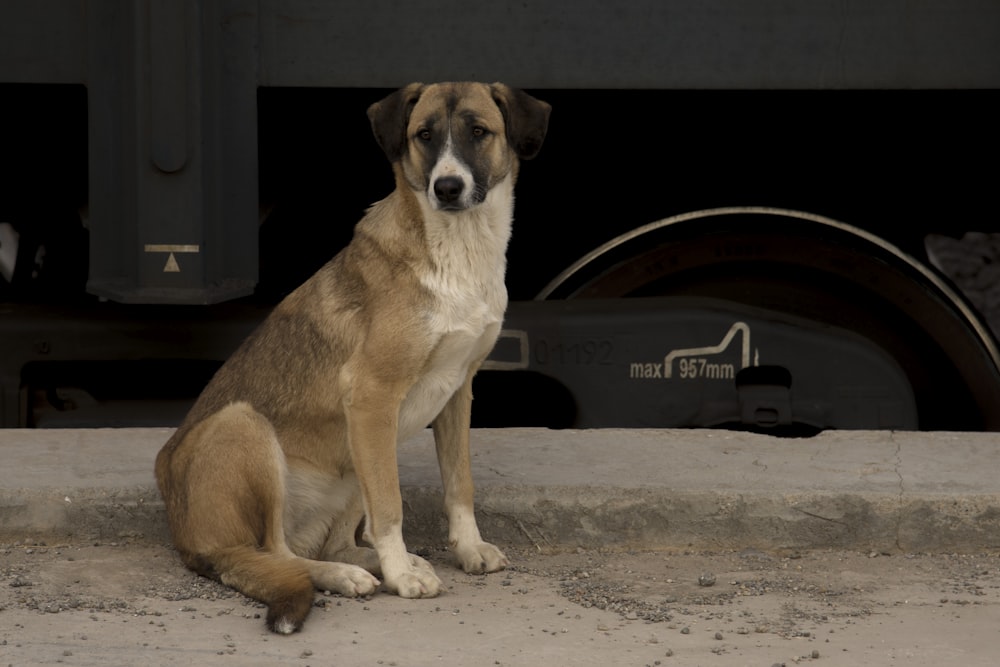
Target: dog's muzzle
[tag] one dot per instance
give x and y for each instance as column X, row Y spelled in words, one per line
column 448, row 191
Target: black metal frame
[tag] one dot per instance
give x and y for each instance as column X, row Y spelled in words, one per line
column 173, row 196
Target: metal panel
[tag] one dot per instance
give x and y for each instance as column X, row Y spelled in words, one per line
column 763, row 44
column 717, row 44
column 172, row 87
column 173, row 192
column 43, row 41
column 684, row 362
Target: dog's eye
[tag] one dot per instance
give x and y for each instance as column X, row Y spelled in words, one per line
column 424, row 135
column 478, row 131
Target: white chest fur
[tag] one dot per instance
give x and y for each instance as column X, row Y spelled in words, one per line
column 468, row 250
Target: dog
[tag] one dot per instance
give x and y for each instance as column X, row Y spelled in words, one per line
column 290, row 451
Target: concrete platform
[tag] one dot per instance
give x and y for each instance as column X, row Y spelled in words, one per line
column 648, row 489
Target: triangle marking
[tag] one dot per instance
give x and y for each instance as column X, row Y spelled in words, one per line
column 171, row 266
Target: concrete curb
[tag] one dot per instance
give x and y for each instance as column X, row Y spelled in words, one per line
column 643, row 489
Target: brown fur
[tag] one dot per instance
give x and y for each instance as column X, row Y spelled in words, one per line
column 293, row 443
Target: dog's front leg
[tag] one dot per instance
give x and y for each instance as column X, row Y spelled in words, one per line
column 451, row 437
column 372, row 427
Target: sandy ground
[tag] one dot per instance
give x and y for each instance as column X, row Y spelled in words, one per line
column 132, row 603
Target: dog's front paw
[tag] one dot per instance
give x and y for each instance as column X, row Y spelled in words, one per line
column 480, row 558
column 417, row 580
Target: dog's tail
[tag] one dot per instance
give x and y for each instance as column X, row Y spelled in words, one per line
column 280, row 582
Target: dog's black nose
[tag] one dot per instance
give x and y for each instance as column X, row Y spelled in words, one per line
column 448, row 189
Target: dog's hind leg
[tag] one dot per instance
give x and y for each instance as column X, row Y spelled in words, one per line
column 224, row 487
column 341, row 544
column 322, row 516
column 345, row 532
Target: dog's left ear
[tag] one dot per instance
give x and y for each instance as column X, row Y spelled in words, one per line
column 389, row 118
column 527, row 119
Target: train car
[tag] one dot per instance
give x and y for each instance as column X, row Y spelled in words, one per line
column 745, row 215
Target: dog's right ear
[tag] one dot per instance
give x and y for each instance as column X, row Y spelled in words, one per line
column 390, row 116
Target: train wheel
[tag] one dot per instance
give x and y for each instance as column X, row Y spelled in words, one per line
column 820, row 270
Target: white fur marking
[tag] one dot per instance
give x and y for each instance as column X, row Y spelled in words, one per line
column 284, row 627
column 468, row 249
column 448, row 164
column 462, row 528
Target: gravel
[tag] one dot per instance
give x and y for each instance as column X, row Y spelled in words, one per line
column 972, row 263
column 656, row 602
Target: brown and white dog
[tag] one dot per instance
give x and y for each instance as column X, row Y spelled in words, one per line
column 292, row 445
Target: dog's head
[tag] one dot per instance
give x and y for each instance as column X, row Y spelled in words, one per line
column 455, row 141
